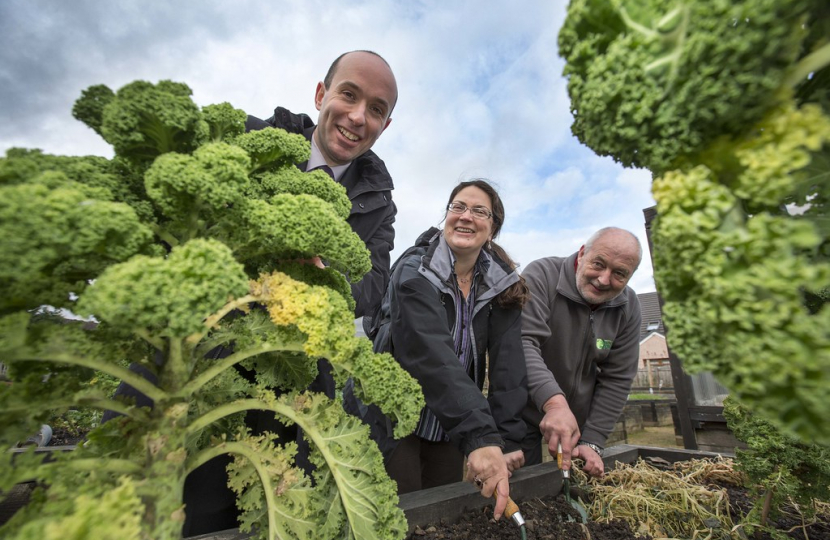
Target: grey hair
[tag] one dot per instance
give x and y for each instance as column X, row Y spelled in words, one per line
column 605, row 230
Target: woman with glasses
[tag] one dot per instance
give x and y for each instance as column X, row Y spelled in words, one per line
column 454, row 299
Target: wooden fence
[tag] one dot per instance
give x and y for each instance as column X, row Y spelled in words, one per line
column 656, row 380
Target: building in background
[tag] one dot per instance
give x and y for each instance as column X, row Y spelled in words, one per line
column 654, row 369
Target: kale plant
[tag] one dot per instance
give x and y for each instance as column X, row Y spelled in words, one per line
column 780, row 469
column 726, row 102
column 184, row 242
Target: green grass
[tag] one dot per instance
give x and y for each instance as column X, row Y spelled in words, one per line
column 636, row 397
column 660, row 436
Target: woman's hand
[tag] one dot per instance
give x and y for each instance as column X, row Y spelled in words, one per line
column 487, row 469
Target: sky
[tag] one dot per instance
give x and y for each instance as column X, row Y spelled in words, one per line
column 481, row 94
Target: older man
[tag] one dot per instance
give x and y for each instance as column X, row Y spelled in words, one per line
column 581, row 333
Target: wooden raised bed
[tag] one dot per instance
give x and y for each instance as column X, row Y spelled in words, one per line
column 449, row 503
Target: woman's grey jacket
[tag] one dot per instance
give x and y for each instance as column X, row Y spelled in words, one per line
column 415, row 323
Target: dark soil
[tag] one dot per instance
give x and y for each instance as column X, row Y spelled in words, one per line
column 547, row 518
column 552, row 518
column 65, row 437
column 740, row 504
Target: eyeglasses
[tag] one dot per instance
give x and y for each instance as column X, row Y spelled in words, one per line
column 478, row 212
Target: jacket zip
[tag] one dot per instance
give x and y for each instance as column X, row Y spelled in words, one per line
column 585, row 349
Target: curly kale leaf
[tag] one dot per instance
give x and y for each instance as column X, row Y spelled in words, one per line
column 86, row 512
column 143, row 120
column 113, row 179
column 194, row 191
column 273, row 148
column 89, row 108
column 292, row 227
column 293, row 181
column 734, row 281
column 224, row 122
column 285, row 366
column 651, row 81
column 783, row 467
column 311, row 274
column 169, row 297
column 318, row 313
column 350, row 480
column 57, row 238
column 394, row 391
column 55, row 364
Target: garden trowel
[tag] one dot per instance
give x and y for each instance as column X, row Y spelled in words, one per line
column 566, row 474
column 566, row 487
column 511, row 510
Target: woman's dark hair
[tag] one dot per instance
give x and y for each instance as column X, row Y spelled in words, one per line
column 517, row 294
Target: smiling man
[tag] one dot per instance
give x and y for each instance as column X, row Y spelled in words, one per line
column 355, row 102
column 581, row 336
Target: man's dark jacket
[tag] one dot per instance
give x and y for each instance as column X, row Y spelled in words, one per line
column 369, row 187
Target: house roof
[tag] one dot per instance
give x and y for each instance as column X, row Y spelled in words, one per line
column 652, row 335
column 652, row 316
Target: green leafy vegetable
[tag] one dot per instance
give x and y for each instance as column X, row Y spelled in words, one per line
column 651, row 80
column 726, row 103
column 188, row 239
column 780, row 469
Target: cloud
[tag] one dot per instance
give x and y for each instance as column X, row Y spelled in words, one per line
column 481, row 94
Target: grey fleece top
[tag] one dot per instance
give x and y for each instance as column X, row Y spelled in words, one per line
column 588, row 355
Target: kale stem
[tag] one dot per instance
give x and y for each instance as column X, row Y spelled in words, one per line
column 255, row 460
column 816, row 60
column 176, row 367
column 112, row 405
column 634, row 25
column 145, row 335
column 165, row 235
column 767, row 506
column 229, row 409
column 212, row 320
column 223, row 364
column 133, row 379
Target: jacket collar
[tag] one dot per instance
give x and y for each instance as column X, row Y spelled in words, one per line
column 366, row 173
column 437, row 266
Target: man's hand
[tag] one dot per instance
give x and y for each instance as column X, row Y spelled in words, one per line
column 593, row 463
column 559, row 426
column 315, row 261
column 487, row 465
column 515, row 461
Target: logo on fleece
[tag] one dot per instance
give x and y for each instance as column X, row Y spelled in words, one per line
column 604, row 344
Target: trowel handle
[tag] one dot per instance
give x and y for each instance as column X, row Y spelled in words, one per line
column 565, row 474
column 512, row 511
